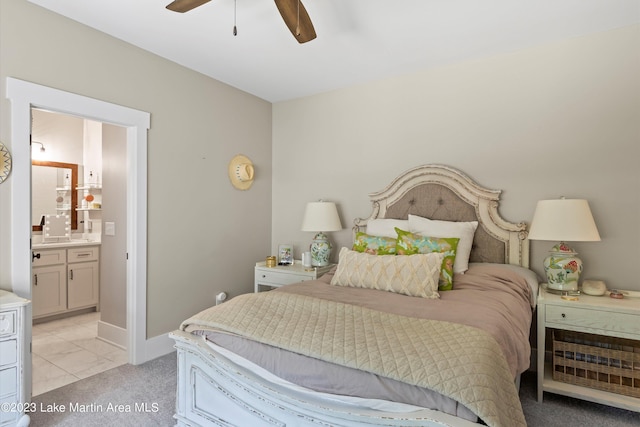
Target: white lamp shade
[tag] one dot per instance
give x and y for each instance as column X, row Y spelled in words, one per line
column 567, row 220
column 321, row 216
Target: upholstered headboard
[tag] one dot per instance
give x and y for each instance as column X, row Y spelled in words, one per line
column 444, row 193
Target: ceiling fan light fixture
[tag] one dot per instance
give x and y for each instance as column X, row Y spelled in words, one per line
column 298, row 23
column 182, row 6
column 293, row 13
column 297, row 19
column 235, row 9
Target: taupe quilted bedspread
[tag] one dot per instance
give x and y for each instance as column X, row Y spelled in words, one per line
column 458, row 361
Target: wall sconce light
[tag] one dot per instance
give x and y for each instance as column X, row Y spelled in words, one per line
column 41, row 145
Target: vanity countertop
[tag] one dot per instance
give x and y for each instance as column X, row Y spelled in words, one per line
column 68, row 244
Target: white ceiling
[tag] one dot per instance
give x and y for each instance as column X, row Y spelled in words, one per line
column 358, row 40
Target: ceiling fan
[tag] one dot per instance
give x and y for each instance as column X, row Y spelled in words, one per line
column 292, row 11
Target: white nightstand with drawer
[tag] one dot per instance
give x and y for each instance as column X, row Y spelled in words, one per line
column 598, row 315
column 280, row 275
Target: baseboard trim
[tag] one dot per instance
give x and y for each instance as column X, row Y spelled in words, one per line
column 112, row 334
column 158, row 346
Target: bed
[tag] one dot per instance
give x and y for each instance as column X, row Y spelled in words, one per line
column 367, row 345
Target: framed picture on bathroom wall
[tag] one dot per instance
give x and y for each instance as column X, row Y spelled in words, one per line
column 285, row 254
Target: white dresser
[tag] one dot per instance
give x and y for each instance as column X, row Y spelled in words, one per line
column 14, row 357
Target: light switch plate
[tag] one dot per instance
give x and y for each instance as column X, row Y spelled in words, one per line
column 109, row 228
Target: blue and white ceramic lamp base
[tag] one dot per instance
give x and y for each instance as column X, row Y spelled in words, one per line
column 320, row 250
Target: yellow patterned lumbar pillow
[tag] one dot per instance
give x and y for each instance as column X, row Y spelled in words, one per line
column 413, row 275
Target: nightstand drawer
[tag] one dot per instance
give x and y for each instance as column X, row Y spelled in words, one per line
column 8, row 352
column 7, row 323
column 606, row 321
column 8, row 418
column 278, row 278
column 281, row 275
column 8, row 381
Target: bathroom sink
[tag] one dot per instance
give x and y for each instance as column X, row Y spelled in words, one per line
column 72, row 242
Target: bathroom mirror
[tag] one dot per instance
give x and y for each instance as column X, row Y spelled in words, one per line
column 57, row 228
column 53, row 191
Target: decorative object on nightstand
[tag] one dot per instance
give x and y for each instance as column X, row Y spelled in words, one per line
column 285, row 254
column 306, row 259
column 321, row 217
column 594, row 287
column 563, row 220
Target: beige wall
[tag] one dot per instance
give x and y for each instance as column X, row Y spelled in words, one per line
column 113, row 251
column 561, row 119
column 203, row 236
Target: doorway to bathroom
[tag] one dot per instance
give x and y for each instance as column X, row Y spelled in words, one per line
column 23, row 97
column 79, row 278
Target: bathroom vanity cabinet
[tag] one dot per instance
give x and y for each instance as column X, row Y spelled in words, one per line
column 65, row 279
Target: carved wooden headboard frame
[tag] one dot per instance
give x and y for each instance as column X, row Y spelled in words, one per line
column 444, row 193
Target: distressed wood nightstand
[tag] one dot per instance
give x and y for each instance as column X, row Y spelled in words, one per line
column 605, row 318
column 280, row 275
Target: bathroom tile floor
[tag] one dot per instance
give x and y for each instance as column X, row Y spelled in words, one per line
column 67, row 350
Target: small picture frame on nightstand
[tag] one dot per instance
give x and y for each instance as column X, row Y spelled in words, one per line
column 285, row 254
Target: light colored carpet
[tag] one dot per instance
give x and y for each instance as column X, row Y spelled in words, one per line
column 140, row 396
column 556, row 410
column 152, row 387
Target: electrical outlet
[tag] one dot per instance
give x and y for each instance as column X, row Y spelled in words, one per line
column 221, row 297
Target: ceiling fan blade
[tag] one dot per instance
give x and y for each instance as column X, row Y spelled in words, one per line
column 297, row 19
column 185, row 5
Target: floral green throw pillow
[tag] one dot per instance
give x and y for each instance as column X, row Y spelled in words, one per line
column 409, row 244
column 374, row 245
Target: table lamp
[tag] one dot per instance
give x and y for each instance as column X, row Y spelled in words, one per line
column 321, row 217
column 563, row 220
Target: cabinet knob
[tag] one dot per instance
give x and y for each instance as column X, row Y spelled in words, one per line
column 564, row 315
column 34, row 256
column 264, row 275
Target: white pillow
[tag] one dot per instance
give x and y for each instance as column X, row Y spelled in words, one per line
column 462, row 230
column 386, row 227
column 413, row 275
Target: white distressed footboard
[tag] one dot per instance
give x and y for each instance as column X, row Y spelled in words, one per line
column 214, row 391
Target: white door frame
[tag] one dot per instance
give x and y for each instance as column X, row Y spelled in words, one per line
column 24, row 96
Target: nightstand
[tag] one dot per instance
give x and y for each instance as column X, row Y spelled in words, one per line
column 280, row 275
column 602, row 316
